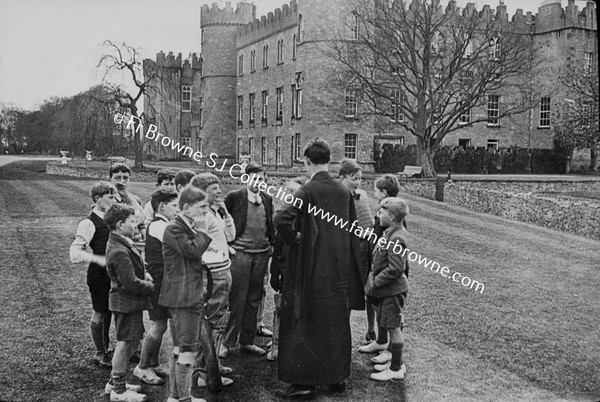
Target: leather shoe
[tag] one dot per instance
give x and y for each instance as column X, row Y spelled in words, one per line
column 253, row 349
column 292, row 392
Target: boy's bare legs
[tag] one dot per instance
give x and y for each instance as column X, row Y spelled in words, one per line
column 397, row 343
column 123, row 351
column 152, row 343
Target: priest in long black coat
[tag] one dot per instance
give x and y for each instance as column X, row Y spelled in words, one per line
column 322, row 281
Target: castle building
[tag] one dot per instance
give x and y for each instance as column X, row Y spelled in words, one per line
column 258, row 87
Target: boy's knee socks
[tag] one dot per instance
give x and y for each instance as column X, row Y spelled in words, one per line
column 173, row 390
column 118, row 381
column 382, row 335
column 396, row 356
column 106, row 329
column 96, row 331
column 183, row 375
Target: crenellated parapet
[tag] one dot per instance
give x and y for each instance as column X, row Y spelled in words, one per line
column 193, row 62
column 273, row 23
column 244, row 13
column 551, row 16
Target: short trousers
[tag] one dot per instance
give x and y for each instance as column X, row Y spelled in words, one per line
column 185, row 327
column 157, row 312
column 389, row 311
column 129, row 326
column 99, row 284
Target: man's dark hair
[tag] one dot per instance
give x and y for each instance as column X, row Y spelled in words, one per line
column 183, row 177
column 162, row 195
column 254, row 167
column 318, row 151
column 117, row 213
column 164, row 174
column 389, row 183
column 118, row 167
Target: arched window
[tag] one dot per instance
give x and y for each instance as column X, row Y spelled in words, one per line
column 241, row 64
column 294, row 47
column 265, row 56
column 280, row 51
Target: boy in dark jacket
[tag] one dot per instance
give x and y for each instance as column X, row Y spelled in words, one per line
column 387, row 285
column 128, row 298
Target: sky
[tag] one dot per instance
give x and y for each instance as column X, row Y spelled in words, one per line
column 52, row 47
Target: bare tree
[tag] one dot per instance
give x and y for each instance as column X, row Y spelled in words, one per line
column 576, row 124
column 426, row 68
column 128, row 60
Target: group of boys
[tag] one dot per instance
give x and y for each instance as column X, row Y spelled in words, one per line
column 193, row 255
column 206, row 258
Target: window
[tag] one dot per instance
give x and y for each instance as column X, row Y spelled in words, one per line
column 492, row 144
column 202, row 37
column 493, row 110
column 437, row 43
column 199, row 144
column 186, row 98
column 353, row 34
column 241, row 64
column 266, row 56
column 465, row 116
column 265, row 106
column 251, row 108
column 186, row 141
column 251, row 148
column 296, row 144
column 263, row 150
column 350, row 141
column 296, row 102
column 278, row 156
column 464, row 143
column 252, row 61
column 240, row 142
column 589, row 61
column 200, row 110
column 279, row 96
column 240, row 110
column 469, row 49
column 294, row 47
column 545, row 112
column 396, row 112
column 351, row 95
column 280, row 51
column 300, row 28
column 495, row 50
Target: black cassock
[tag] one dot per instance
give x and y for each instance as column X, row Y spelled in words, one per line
column 321, row 284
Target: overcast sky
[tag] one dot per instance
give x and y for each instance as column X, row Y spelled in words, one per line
column 51, row 47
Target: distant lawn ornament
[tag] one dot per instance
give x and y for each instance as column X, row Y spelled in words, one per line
column 63, row 159
column 88, row 155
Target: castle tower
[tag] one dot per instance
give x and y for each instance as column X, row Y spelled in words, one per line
column 219, row 74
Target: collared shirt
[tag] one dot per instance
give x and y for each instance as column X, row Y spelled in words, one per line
column 80, row 250
column 156, row 229
column 188, row 222
column 254, row 197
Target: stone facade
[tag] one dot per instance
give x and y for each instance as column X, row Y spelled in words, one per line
column 231, row 69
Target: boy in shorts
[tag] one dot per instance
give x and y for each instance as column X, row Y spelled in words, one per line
column 165, row 179
column 90, row 246
column 164, row 205
column 184, row 242
column 130, row 289
column 387, row 285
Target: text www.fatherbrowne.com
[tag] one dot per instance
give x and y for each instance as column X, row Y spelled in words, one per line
column 367, row 234
column 397, row 248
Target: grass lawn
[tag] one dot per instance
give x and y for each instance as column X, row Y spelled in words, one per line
column 532, row 335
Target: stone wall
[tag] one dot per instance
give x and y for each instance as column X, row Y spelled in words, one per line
column 420, row 187
column 525, row 202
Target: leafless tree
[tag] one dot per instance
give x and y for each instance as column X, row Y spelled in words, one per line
column 426, row 67
column 576, row 124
